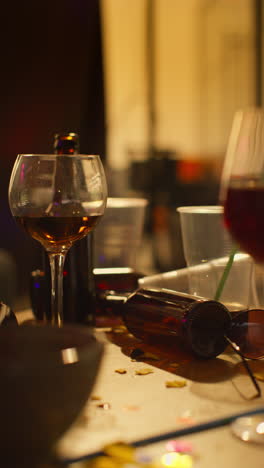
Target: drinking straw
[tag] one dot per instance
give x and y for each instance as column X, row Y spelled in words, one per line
column 225, row 274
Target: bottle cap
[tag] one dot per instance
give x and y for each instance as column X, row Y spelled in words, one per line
column 207, row 323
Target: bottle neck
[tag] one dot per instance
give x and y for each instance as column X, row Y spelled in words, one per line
column 66, row 143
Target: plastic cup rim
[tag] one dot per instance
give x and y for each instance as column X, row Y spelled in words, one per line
column 202, row 209
column 126, row 202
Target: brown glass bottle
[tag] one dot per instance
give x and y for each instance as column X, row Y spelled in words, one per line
column 78, row 278
column 162, row 317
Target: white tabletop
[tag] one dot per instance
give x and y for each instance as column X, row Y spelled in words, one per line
column 131, row 407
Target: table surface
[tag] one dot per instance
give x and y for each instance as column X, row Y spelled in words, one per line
column 129, row 407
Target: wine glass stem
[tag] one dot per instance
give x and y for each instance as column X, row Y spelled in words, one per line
column 56, row 270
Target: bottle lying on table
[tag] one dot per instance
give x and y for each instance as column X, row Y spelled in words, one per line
column 160, row 316
column 203, row 326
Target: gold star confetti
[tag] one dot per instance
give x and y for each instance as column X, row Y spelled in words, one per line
column 144, row 371
column 175, row 383
column 121, row 455
column 95, row 397
column 121, row 371
column 120, row 451
column 179, row 446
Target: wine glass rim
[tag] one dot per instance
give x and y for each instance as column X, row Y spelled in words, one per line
column 54, row 155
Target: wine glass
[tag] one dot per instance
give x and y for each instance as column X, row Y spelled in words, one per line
column 57, row 199
column 242, row 194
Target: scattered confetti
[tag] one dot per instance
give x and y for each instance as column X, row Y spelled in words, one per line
column 175, row 383
column 118, row 455
column 104, row 406
column 121, row 371
column 144, row 371
column 131, row 408
column 186, row 420
column 259, row 376
column 96, row 397
column 179, row 446
column 176, row 460
column 121, row 455
column 120, row 451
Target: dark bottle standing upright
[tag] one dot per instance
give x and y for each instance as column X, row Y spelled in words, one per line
column 78, row 280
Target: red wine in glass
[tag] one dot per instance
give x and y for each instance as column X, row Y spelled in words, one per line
column 243, row 215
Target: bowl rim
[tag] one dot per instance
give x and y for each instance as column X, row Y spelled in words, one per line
column 31, row 358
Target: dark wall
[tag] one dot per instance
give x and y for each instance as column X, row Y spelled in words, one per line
column 50, row 80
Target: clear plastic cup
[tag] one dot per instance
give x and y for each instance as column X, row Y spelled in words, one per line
column 119, row 234
column 207, row 247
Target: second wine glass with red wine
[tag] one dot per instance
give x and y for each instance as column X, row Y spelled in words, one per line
column 242, row 195
column 242, row 187
column 57, row 199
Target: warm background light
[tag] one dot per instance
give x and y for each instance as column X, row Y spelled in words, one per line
column 204, row 70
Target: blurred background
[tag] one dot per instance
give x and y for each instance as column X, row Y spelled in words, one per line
column 150, row 85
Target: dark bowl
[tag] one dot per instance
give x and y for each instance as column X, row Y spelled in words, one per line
column 47, row 374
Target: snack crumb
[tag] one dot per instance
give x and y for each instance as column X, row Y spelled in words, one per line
column 120, row 371
column 145, row 371
column 95, row 397
column 175, row 383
